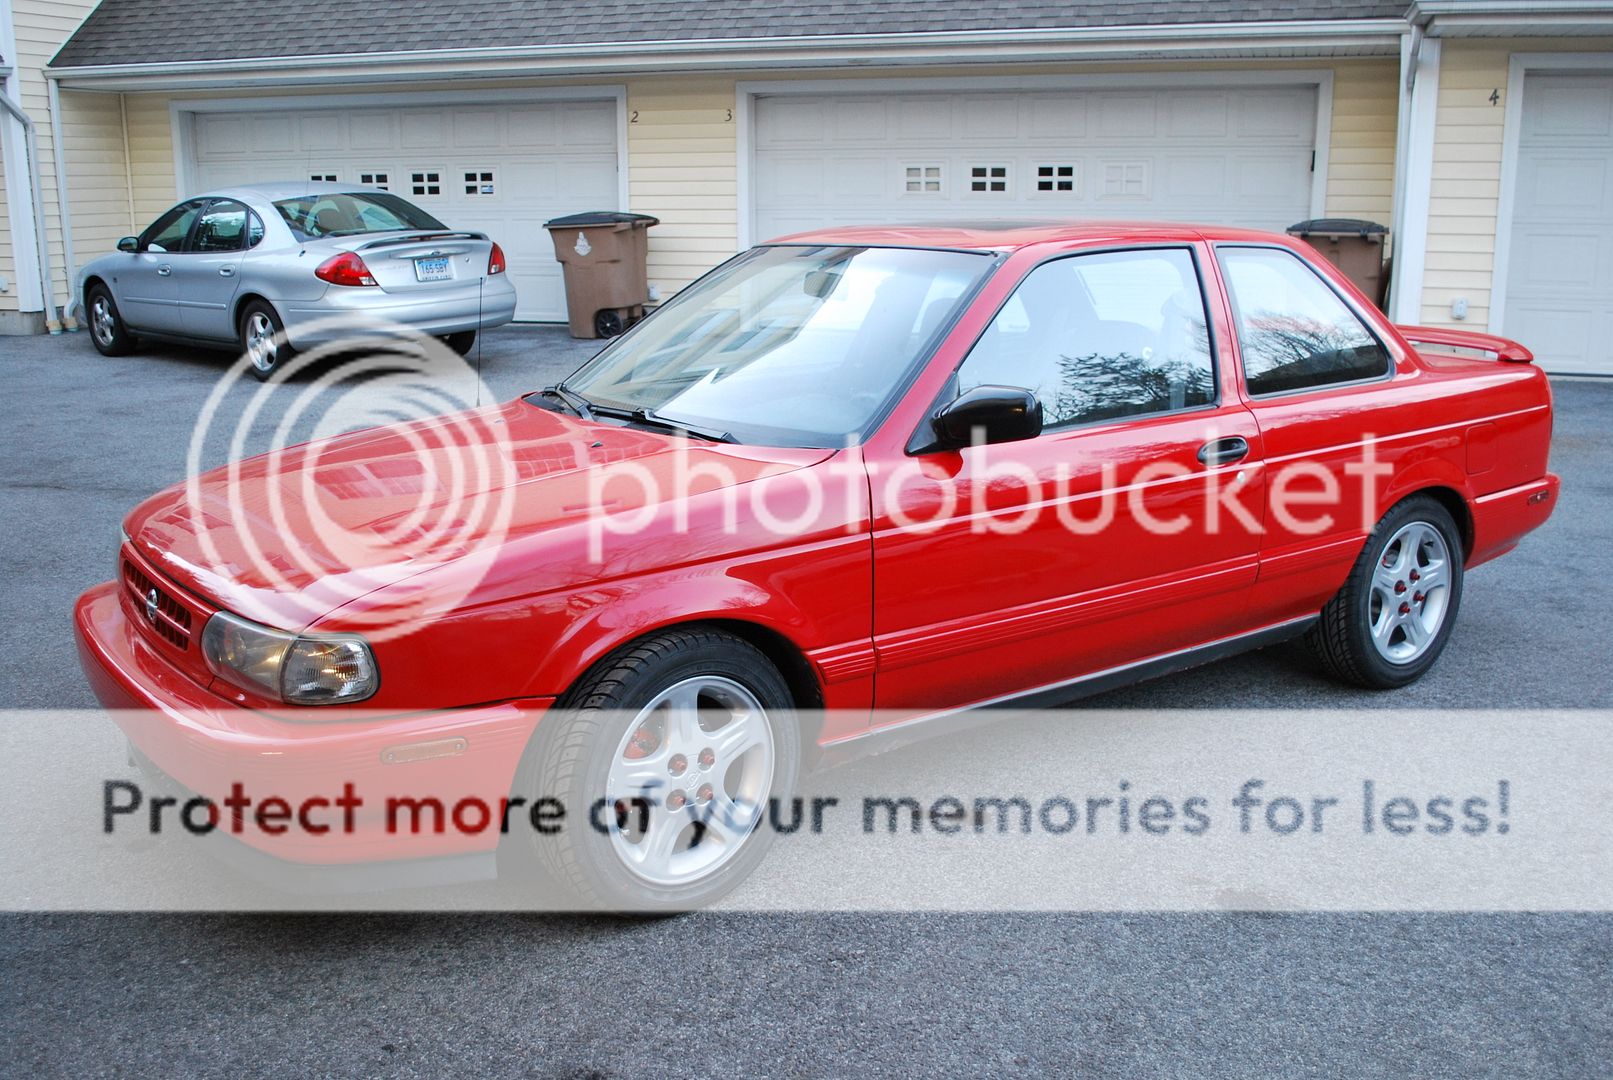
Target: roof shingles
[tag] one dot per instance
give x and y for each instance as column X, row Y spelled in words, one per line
column 167, row 31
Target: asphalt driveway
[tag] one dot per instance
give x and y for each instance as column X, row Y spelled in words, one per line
column 1224, row 994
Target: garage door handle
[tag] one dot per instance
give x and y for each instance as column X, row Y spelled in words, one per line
column 1224, row 451
column 164, row 271
column 226, row 271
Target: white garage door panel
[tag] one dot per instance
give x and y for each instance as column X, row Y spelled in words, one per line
column 1238, row 156
column 546, row 159
column 1559, row 298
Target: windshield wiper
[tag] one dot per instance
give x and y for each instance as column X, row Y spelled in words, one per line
column 654, row 419
column 571, row 400
column 650, row 418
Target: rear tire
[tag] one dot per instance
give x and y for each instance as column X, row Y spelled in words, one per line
column 1389, row 623
column 107, row 329
column 462, row 342
column 263, row 340
column 698, row 725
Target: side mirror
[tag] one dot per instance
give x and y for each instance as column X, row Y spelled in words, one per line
column 130, row 244
column 987, row 414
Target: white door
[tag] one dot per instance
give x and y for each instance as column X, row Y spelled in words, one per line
column 1559, row 294
column 1239, row 156
column 501, row 169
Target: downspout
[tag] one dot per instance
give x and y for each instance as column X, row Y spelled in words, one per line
column 63, row 212
column 41, row 240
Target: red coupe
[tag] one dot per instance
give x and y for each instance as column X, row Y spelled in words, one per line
column 848, row 485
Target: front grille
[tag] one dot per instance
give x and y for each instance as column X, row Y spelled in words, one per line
column 167, row 617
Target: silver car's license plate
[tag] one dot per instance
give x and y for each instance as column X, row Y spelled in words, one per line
column 433, row 269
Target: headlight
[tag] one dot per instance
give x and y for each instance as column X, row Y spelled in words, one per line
column 319, row 670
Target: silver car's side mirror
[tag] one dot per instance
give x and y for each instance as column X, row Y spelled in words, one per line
column 130, row 244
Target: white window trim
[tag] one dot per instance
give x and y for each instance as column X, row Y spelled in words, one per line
column 182, row 115
column 1518, row 71
column 746, row 93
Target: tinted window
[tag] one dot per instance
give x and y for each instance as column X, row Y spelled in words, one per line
column 1293, row 329
column 348, row 214
column 1096, row 337
column 222, row 227
column 254, row 231
column 167, row 233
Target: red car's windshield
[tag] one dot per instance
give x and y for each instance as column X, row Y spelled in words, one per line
column 788, row 346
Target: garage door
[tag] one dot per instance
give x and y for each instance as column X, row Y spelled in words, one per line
column 1237, row 156
column 503, row 169
column 1559, row 298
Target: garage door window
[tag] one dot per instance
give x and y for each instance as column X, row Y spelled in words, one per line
column 988, row 178
column 426, row 183
column 1293, row 330
column 1055, row 178
column 923, row 179
column 1096, row 337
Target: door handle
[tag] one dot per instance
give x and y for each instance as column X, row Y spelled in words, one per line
column 164, row 271
column 226, row 271
column 1224, row 451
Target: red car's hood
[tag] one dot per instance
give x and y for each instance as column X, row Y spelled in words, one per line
column 285, row 537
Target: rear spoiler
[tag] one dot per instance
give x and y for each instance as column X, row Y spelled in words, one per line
column 420, row 238
column 1499, row 347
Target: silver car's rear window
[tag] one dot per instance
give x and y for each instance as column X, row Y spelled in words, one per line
column 314, row 217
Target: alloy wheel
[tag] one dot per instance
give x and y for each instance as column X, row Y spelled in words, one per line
column 1410, row 592
column 689, row 781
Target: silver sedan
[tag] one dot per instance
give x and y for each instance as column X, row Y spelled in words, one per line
column 273, row 268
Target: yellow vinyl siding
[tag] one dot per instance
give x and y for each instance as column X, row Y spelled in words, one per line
column 682, row 157
column 1361, row 153
column 41, row 26
column 1465, row 197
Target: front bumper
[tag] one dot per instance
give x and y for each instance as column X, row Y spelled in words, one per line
column 196, row 741
column 343, row 313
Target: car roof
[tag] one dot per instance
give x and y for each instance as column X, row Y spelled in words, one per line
column 283, row 189
column 1011, row 235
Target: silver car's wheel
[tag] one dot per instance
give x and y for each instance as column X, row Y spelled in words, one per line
column 263, row 340
column 1410, row 592
column 261, row 348
column 690, row 780
column 107, row 331
column 102, row 322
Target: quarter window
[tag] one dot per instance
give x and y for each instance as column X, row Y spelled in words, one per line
column 1293, row 330
column 1097, row 337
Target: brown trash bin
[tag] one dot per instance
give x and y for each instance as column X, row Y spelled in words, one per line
column 603, row 255
column 1352, row 245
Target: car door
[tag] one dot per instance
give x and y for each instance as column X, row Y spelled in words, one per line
column 147, row 293
column 1320, row 383
column 1108, row 539
column 207, row 274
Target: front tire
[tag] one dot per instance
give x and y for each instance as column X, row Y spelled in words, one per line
column 107, row 329
column 681, row 739
column 1390, row 622
column 263, row 340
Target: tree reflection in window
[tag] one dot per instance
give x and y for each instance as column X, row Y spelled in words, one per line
column 1293, row 330
column 1103, row 336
